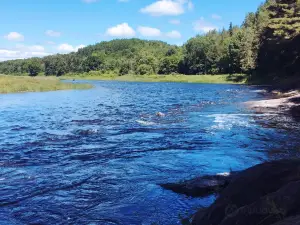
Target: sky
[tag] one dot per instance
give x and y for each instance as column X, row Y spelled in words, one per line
column 36, row 28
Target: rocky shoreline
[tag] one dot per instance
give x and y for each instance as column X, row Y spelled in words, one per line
column 288, row 102
column 201, row 186
column 266, row 194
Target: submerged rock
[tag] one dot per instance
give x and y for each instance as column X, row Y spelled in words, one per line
column 160, row 114
column 201, row 186
column 263, row 194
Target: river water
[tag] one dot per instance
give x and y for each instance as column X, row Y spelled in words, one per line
column 98, row 156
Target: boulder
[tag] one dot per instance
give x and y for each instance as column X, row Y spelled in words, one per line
column 293, row 220
column 160, row 114
column 247, row 187
column 295, row 112
column 269, row 209
column 201, row 186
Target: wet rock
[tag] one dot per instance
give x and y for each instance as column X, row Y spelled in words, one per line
column 160, row 114
column 290, row 94
column 277, row 105
column 201, row 186
column 295, row 111
column 250, row 190
column 293, row 220
column 269, row 209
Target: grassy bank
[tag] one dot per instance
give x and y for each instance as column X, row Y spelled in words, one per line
column 13, row 84
column 216, row 79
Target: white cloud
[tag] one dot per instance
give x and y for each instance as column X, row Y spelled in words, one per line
column 174, row 34
column 69, row 48
column 31, row 48
column 21, row 51
column 154, row 32
column 14, row 36
column 53, row 33
column 65, row 48
column 6, row 54
column 37, row 48
column 79, row 47
column 165, row 8
column 216, row 17
column 202, row 26
column 176, row 22
column 149, row 31
column 121, row 30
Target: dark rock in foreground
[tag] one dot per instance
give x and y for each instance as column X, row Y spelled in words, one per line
column 201, row 186
column 293, row 220
column 295, row 112
column 264, row 194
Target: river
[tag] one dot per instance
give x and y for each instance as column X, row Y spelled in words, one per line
column 98, row 156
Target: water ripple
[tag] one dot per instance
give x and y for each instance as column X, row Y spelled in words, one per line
column 97, row 156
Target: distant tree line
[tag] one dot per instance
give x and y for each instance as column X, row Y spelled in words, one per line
column 266, row 45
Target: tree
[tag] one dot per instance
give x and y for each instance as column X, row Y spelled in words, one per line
column 171, row 51
column 92, row 62
column 247, row 53
column 230, row 50
column 34, row 67
column 56, row 65
column 144, row 69
column 278, row 53
column 266, row 45
column 195, row 58
column 125, row 68
column 169, row 65
column 230, row 29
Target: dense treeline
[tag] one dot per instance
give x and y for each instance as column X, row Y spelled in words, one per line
column 266, row 45
column 118, row 56
column 279, row 49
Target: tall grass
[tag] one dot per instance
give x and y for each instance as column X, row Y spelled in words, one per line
column 12, row 84
column 217, row 79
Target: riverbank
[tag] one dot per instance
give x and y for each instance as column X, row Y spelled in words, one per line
column 265, row 194
column 286, row 102
column 271, row 198
column 15, row 84
column 213, row 79
column 274, row 193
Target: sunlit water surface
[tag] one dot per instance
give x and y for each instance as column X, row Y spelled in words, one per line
column 98, row 156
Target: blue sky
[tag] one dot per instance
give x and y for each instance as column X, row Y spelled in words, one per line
column 41, row 27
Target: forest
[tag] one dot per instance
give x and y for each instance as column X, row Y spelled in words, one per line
column 266, row 46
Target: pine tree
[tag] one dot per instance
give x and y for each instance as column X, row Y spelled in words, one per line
column 284, row 19
column 280, row 42
column 230, row 29
column 230, row 49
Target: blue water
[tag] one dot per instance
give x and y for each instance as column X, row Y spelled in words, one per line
column 98, row 156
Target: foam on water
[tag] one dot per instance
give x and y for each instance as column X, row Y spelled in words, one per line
column 227, row 121
column 145, row 123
